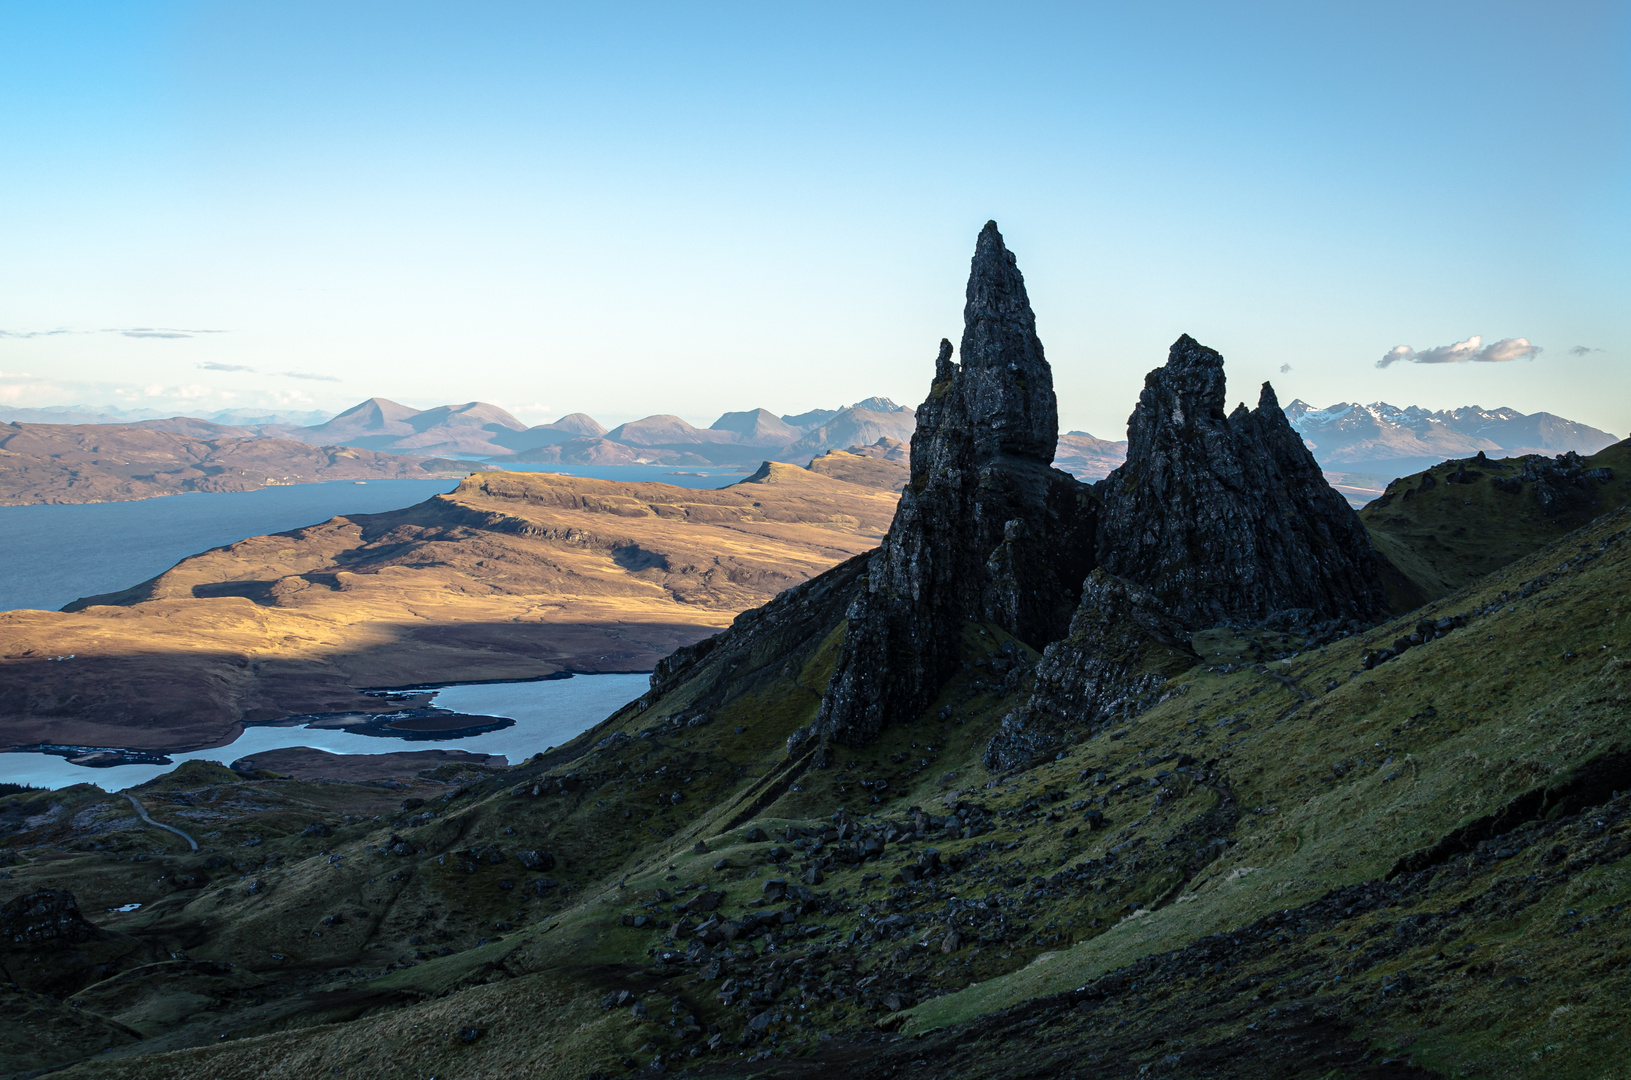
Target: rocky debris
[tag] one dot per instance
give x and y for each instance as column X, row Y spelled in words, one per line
column 397, row 845
column 317, row 828
column 1564, row 488
column 47, row 916
column 535, row 861
column 708, row 900
column 1426, row 630
column 1115, row 663
column 986, row 530
column 1291, row 993
column 1229, row 517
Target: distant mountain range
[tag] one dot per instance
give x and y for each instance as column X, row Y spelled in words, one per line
column 1379, row 439
column 477, row 429
column 1385, row 439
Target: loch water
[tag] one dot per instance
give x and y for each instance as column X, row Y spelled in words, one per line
column 547, row 713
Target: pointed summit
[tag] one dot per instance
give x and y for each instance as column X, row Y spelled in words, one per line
column 1229, row 517
column 1212, row 519
column 986, row 531
column 1008, row 385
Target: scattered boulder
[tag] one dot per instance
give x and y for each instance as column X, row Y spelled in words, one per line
column 707, row 900
column 535, row 860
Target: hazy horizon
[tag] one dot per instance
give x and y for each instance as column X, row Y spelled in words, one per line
column 693, row 211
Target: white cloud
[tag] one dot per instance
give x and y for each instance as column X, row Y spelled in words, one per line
column 129, row 331
column 1284, row 368
column 1472, row 350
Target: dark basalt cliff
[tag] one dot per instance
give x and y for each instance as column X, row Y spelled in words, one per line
column 1121, row 650
column 1212, row 519
column 1230, row 517
column 986, row 530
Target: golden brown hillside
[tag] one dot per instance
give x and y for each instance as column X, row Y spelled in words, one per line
column 512, row 575
column 859, row 467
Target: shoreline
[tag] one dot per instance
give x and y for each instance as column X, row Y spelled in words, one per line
column 372, row 725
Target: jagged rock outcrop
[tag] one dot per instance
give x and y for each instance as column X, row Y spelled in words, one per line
column 986, row 529
column 1229, row 517
column 1212, row 519
column 1121, row 651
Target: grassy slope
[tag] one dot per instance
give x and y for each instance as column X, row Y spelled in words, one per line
column 1452, row 534
column 1443, row 735
column 1307, row 777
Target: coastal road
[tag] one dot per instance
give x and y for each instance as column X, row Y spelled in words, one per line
column 142, row 810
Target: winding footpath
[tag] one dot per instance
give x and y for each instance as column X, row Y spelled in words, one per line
column 142, row 810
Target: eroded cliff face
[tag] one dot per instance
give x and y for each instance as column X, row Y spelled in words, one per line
column 1229, row 517
column 986, row 530
column 1212, row 519
column 1116, row 662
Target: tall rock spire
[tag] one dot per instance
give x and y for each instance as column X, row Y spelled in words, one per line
column 1007, row 384
column 1230, row 517
column 986, row 530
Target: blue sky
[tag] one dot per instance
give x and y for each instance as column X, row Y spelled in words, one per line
column 691, row 208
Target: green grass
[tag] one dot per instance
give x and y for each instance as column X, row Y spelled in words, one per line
column 1451, row 534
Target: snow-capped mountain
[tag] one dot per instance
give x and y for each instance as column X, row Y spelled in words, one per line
column 1384, row 438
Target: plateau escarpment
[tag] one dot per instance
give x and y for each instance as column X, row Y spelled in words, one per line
column 58, row 463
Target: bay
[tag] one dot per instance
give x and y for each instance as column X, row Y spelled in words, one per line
column 547, row 713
